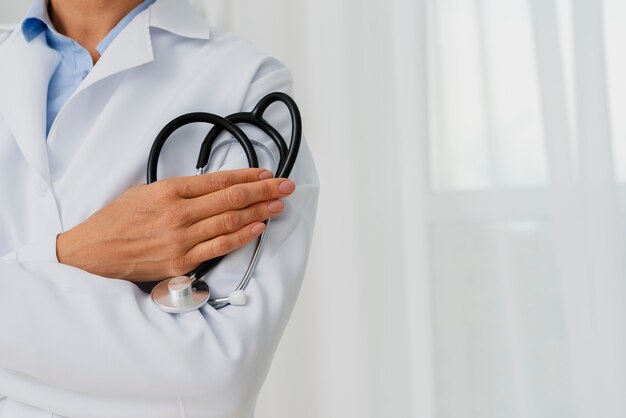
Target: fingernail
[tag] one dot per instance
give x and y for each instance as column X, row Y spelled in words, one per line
column 257, row 229
column 287, row 186
column 275, row 206
column 266, row 175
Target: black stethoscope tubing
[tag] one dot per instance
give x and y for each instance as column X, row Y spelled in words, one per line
column 287, row 153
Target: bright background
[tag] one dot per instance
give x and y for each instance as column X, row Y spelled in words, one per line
column 469, row 257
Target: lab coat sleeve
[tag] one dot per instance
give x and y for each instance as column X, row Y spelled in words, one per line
column 42, row 250
column 105, row 340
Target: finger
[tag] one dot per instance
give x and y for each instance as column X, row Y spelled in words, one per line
column 225, row 244
column 231, row 221
column 194, row 186
column 238, row 197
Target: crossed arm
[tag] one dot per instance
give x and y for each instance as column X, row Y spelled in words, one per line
column 78, row 333
column 68, row 331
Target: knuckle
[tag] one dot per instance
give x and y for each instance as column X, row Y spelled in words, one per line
column 222, row 181
column 236, row 197
column 168, row 187
column 172, row 243
column 268, row 190
column 181, row 188
column 174, row 216
column 260, row 212
column 206, row 230
column 242, row 240
column 179, row 265
column 183, row 241
column 231, row 221
column 221, row 245
column 177, row 241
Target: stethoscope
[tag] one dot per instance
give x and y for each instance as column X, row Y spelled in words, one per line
column 190, row 292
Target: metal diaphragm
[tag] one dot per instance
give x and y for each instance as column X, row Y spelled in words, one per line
column 180, row 294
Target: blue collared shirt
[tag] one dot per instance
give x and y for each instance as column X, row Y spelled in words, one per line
column 75, row 62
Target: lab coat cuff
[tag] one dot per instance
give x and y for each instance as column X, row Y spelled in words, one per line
column 42, row 250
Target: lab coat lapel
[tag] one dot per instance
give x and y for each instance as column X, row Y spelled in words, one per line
column 130, row 49
column 133, row 46
column 25, row 71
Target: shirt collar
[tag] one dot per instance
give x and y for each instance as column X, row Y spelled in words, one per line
column 122, row 24
column 36, row 20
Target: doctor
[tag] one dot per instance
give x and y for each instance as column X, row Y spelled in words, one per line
column 85, row 86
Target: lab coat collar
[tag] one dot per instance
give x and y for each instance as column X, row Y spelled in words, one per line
column 26, row 70
column 179, row 18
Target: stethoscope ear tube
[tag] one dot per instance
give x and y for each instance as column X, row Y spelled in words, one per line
column 166, row 293
column 240, row 118
column 189, row 118
column 285, row 167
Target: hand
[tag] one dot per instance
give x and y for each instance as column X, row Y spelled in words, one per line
column 170, row 227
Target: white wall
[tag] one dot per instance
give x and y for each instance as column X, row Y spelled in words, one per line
column 11, row 11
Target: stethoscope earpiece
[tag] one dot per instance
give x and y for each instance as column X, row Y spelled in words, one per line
column 238, row 298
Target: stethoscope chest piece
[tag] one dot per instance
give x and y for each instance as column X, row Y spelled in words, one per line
column 181, row 294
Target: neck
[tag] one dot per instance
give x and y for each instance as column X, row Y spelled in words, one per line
column 88, row 21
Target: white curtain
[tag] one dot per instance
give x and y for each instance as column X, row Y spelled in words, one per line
column 469, row 258
column 469, row 254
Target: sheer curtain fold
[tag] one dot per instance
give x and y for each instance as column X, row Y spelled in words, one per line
column 470, row 203
column 411, row 121
column 601, row 214
column 589, row 245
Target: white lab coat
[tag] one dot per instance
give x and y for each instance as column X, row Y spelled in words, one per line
column 78, row 345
